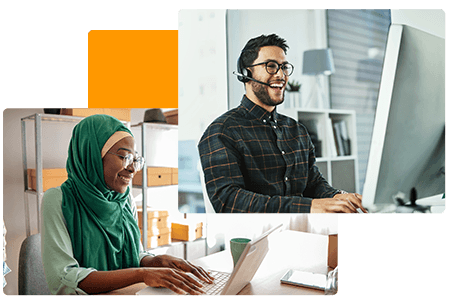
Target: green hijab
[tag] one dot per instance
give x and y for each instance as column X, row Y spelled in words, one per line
column 104, row 234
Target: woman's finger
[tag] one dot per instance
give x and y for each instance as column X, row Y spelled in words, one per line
column 186, row 283
column 196, row 270
column 200, row 273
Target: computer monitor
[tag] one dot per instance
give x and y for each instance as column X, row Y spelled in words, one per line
column 408, row 141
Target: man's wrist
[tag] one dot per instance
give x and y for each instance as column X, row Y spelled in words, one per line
column 340, row 192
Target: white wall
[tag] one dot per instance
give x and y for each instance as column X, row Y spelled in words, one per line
column 302, row 29
column 428, row 20
column 202, row 70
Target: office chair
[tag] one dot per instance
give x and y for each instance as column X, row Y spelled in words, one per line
column 31, row 271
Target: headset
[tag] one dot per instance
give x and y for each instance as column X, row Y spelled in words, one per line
column 245, row 75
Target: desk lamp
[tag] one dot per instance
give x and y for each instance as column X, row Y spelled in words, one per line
column 316, row 63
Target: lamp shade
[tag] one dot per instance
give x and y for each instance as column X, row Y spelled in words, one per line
column 318, row 62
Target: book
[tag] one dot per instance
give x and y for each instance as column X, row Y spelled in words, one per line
column 339, row 139
column 345, row 138
column 332, row 150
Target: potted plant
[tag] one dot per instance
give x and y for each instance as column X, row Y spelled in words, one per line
column 293, row 87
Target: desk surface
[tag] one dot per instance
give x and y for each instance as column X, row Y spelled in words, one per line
column 287, row 250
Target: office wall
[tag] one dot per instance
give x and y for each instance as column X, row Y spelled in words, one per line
column 303, row 30
column 428, row 20
column 56, row 138
column 13, row 196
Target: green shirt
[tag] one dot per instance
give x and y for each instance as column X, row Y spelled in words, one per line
column 61, row 269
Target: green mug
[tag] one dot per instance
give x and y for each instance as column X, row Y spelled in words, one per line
column 237, row 246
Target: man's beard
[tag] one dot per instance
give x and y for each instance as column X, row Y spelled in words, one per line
column 260, row 91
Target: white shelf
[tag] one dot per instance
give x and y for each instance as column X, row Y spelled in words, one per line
column 341, row 171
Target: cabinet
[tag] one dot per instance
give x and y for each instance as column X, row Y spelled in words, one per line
column 333, row 133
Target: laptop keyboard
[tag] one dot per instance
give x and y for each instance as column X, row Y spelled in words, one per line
column 220, row 279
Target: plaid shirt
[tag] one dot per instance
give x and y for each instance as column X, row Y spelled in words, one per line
column 254, row 161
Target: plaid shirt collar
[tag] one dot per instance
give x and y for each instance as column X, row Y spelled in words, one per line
column 257, row 111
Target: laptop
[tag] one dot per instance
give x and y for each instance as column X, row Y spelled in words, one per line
column 232, row 283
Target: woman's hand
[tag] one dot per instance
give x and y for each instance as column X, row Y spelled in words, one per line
column 173, row 279
column 168, row 261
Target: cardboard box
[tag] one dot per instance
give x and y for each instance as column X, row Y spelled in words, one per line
column 172, row 116
column 174, row 175
column 155, row 218
column 187, row 231
column 123, row 114
column 333, row 250
column 160, row 239
column 156, row 176
column 50, row 178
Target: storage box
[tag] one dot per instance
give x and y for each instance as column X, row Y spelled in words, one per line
column 333, row 250
column 172, row 116
column 156, row 176
column 155, row 218
column 123, row 114
column 174, row 175
column 159, row 239
column 50, row 178
column 187, row 231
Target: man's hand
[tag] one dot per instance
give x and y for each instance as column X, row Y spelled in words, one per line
column 168, row 261
column 340, row 203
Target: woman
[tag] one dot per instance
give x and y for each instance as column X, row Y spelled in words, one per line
column 90, row 237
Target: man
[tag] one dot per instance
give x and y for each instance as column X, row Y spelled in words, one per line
column 256, row 160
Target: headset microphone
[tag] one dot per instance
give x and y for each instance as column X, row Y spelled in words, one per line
column 250, row 78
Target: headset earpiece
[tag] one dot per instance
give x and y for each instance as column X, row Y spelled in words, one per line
column 243, row 71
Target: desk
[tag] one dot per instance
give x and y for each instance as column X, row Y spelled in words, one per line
column 287, row 250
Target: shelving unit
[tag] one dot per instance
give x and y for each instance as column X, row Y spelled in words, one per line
column 160, row 149
column 341, row 171
column 145, row 132
column 38, row 193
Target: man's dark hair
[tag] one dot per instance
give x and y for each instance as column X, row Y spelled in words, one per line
column 250, row 52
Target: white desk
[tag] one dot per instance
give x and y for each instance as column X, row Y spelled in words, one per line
column 287, row 250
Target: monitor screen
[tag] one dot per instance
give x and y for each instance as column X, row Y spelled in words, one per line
column 408, row 142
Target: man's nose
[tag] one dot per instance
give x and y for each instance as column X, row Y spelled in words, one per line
column 280, row 73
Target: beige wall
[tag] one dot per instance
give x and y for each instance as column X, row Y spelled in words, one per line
column 56, row 139
column 13, row 196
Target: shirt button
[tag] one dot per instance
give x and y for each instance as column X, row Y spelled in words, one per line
column 283, row 152
column 286, row 179
column 274, row 127
column 264, row 121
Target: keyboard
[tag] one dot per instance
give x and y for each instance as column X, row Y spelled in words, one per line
column 220, row 279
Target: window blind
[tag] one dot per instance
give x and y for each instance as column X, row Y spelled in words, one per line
column 358, row 41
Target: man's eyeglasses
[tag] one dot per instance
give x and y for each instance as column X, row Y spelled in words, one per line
column 272, row 67
column 127, row 160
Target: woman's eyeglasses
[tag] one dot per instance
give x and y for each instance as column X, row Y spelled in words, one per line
column 127, row 160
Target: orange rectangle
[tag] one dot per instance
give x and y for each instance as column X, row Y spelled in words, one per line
column 124, row 68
